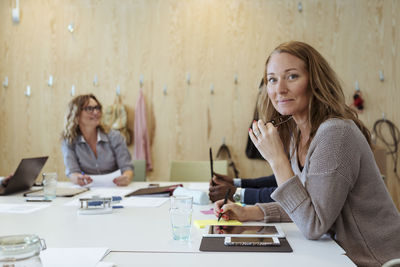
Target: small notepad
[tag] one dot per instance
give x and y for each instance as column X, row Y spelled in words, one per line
column 204, row 223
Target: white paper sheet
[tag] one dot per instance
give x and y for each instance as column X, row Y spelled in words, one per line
column 105, row 264
column 77, row 257
column 21, row 208
column 100, row 192
column 104, row 180
column 143, row 201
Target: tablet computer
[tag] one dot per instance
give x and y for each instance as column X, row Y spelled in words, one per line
column 251, row 241
column 245, row 231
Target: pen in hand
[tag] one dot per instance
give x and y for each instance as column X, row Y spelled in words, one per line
column 84, row 180
column 225, row 201
column 212, row 167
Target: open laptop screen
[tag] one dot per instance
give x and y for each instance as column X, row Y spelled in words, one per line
column 25, row 175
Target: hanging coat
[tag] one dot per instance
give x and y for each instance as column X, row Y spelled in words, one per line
column 141, row 136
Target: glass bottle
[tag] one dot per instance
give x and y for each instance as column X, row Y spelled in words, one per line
column 21, row 251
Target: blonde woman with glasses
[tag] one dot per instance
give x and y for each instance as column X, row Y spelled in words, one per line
column 88, row 147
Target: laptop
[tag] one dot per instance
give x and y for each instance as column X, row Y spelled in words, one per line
column 25, row 175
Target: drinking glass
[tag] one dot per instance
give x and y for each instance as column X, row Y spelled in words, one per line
column 49, row 185
column 181, row 217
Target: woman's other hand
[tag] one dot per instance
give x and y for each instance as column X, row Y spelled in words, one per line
column 125, row 179
column 232, row 211
column 83, row 179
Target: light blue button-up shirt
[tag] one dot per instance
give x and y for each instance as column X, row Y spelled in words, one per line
column 112, row 154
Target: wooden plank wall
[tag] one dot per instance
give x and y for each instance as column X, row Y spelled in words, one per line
column 164, row 40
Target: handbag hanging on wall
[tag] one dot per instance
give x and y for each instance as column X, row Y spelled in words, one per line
column 224, row 154
column 115, row 117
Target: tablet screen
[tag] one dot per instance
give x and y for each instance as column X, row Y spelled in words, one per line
column 244, row 230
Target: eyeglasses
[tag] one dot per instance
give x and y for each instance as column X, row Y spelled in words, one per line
column 279, row 120
column 92, row 108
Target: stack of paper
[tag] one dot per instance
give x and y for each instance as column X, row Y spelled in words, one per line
column 77, row 257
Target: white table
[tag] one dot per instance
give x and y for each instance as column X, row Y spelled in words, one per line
column 142, row 236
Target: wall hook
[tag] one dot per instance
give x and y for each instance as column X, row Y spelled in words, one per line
column 141, row 79
column 95, row 80
column 212, row 89
column 73, row 90
column 381, row 77
column 5, row 83
column 71, row 27
column 236, row 78
column 165, row 89
column 357, row 86
column 28, row 91
column 188, row 78
column 15, row 12
column 300, row 7
column 50, row 81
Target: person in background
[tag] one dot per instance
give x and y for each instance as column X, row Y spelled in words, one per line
column 88, row 147
column 328, row 180
column 252, row 191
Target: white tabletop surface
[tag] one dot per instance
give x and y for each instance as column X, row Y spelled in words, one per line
column 139, row 236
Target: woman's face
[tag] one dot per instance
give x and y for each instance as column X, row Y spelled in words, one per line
column 287, row 85
column 90, row 115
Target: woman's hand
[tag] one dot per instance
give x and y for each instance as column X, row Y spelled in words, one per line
column 266, row 139
column 83, row 179
column 232, row 211
column 5, row 180
column 125, row 179
column 80, row 179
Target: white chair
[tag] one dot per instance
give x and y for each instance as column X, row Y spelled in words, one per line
column 140, row 170
column 196, row 171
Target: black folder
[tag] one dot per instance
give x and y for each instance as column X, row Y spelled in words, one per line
column 216, row 244
column 162, row 190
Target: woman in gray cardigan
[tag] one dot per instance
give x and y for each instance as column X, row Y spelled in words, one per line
column 328, row 181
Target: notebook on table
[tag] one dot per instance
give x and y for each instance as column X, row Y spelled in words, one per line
column 60, row 192
column 155, row 191
column 24, row 176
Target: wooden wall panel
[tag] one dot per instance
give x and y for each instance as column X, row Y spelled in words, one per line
column 164, row 40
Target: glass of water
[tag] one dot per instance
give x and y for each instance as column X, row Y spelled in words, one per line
column 49, row 185
column 181, row 217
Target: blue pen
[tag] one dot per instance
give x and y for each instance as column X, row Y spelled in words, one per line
column 84, row 181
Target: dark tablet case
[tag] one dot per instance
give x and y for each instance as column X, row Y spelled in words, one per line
column 216, row 244
column 61, row 192
column 154, row 190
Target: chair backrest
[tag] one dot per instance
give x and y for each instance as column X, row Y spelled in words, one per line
column 196, row 171
column 392, row 263
column 140, row 170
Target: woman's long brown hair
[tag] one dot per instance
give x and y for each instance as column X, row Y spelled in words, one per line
column 327, row 97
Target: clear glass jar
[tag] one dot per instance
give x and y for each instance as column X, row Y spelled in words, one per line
column 21, row 251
